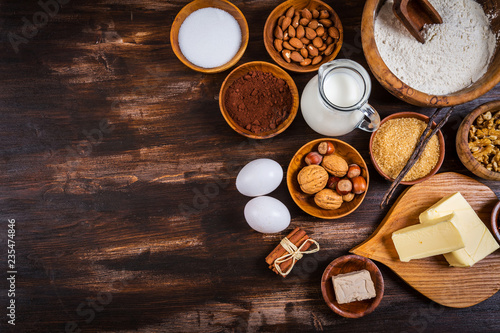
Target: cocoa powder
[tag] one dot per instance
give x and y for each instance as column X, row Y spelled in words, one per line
column 259, row 101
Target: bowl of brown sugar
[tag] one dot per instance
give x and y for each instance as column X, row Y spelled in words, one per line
column 393, row 143
column 259, row 100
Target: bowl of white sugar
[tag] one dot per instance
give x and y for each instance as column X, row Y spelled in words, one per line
column 459, row 61
column 209, row 36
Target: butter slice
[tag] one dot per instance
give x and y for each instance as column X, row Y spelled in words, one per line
column 353, row 286
column 426, row 240
column 478, row 240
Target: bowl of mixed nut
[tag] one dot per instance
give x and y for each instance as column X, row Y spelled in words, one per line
column 302, row 35
column 478, row 141
column 327, row 178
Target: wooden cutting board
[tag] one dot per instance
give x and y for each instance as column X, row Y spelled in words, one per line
column 433, row 277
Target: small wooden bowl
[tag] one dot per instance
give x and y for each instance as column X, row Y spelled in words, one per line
column 272, row 19
column 266, row 67
column 440, row 139
column 199, row 4
column 462, row 142
column 346, row 264
column 306, row 201
column 406, row 93
column 495, row 225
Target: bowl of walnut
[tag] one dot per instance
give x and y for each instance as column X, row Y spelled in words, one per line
column 478, row 141
column 327, row 178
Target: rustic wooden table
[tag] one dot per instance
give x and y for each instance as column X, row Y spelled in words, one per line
column 119, row 171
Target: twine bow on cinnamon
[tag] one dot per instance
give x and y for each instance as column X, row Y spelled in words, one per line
column 294, row 253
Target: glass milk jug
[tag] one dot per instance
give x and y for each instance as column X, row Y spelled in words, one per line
column 334, row 102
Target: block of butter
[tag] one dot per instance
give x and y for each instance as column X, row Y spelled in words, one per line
column 353, row 286
column 425, row 240
column 478, row 240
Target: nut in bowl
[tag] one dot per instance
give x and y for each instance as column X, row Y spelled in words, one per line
column 478, row 141
column 259, row 100
column 302, row 35
column 209, row 36
column 495, row 223
column 327, row 178
column 393, row 143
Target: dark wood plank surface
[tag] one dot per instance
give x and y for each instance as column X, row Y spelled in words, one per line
column 119, row 171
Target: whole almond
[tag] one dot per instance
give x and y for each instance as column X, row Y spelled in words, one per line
column 304, row 53
column 310, row 33
column 286, row 55
column 278, row 45
column 295, row 42
column 291, row 31
column 307, row 14
column 280, row 20
column 324, row 14
column 317, row 42
column 326, row 23
column 278, row 33
column 295, row 21
column 300, row 32
column 316, row 60
column 306, row 62
column 290, row 12
column 313, row 51
column 305, row 41
column 295, row 56
column 287, row 46
column 303, row 21
column 313, row 24
column 333, row 32
column 329, row 49
column 286, row 22
column 315, row 13
column 322, row 48
column 320, row 31
column 329, row 40
column 285, row 35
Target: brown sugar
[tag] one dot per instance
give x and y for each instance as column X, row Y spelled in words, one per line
column 395, row 141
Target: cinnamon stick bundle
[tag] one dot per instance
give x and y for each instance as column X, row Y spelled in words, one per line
column 297, row 237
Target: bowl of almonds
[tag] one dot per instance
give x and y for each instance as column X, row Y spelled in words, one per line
column 327, row 178
column 302, row 35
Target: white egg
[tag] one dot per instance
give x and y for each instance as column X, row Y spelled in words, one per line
column 259, row 177
column 267, row 215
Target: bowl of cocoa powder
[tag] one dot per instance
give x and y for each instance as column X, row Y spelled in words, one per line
column 259, row 100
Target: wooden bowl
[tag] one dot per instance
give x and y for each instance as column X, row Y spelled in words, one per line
column 495, row 225
column 306, row 201
column 266, row 67
column 404, row 92
column 346, row 264
column 199, row 4
column 462, row 142
column 440, row 139
column 271, row 24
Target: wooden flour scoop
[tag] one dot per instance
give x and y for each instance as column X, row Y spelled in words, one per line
column 414, row 14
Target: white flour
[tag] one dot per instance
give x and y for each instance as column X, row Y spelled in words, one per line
column 455, row 54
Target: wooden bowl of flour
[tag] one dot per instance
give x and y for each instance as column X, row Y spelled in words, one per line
column 408, row 94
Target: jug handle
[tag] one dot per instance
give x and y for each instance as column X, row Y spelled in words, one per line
column 372, row 115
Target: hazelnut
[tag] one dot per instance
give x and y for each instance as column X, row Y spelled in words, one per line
column 332, row 182
column 313, row 158
column 335, row 165
column 348, row 197
column 344, row 186
column 326, row 148
column 312, row 179
column 354, row 171
column 328, row 199
column 358, row 185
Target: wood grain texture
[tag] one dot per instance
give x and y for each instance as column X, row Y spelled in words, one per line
column 147, row 218
column 449, row 286
column 406, row 93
